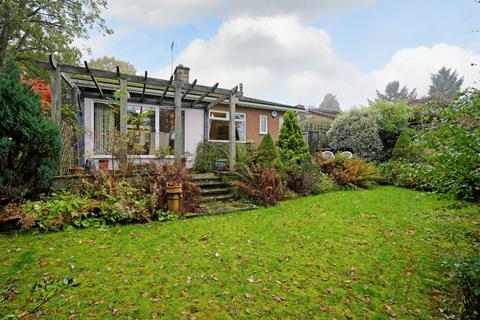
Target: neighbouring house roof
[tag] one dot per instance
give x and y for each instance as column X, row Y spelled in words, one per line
column 331, row 114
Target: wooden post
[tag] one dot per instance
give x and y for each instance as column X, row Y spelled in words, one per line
column 56, row 84
column 123, row 122
column 178, row 144
column 206, row 121
column 233, row 137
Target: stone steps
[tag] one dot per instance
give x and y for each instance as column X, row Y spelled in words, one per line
column 213, row 188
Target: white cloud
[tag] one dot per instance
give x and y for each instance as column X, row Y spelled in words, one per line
column 164, row 13
column 101, row 45
column 280, row 58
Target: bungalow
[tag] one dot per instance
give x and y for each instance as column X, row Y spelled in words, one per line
column 158, row 114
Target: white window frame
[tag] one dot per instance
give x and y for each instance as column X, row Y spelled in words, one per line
column 227, row 118
column 266, row 124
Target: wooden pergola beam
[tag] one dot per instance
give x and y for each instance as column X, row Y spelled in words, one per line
column 93, row 79
column 203, row 96
column 166, row 90
column 222, row 98
column 189, row 89
column 69, row 69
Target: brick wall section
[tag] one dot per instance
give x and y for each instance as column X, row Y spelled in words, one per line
column 253, row 122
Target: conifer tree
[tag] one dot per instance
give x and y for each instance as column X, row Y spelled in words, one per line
column 267, row 153
column 292, row 146
column 29, row 143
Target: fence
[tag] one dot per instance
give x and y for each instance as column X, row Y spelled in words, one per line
column 315, row 134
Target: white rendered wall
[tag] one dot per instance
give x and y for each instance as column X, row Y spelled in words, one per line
column 88, row 118
column 193, row 131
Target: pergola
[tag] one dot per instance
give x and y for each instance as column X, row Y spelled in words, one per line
column 176, row 92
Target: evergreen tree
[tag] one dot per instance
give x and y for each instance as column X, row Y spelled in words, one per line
column 29, row 143
column 394, row 93
column 401, row 149
column 267, row 153
column 445, row 84
column 292, row 146
column 330, row 103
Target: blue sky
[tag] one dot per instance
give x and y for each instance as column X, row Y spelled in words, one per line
column 297, row 51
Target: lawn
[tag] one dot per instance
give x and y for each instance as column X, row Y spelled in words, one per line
column 371, row 254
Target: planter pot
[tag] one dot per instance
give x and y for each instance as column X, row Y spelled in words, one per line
column 103, row 165
column 174, row 188
column 221, row 165
column 76, row 171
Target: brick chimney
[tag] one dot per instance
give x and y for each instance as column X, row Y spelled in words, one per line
column 182, row 74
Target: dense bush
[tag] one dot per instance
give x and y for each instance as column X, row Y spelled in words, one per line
column 465, row 272
column 392, row 120
column 29, row 143
column 293, row 148
column 453, row 143
column 262, row 184
column 408, row 174
column 304, row 178
column 357, row 131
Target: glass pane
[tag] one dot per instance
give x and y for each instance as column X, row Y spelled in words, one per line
column 141, row 130
column 240, row 117
column 167, row 126
column 263, row 124
column 218, row 115
column 106, row 123
column 218, row 130
column 240, row 130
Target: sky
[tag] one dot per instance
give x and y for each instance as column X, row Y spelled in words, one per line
column 296, row 51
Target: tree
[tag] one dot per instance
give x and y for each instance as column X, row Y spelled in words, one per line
column 392, row 120
column 394, row 93
column 29, row 143
column 453, row 144
column 110, row 64
column 330, row 103
column 357, row 131
column 292, row 146
column 35, row 28
column 445, row 83
column 267, row 153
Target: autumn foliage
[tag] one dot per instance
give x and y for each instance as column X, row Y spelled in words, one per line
column 42, row 89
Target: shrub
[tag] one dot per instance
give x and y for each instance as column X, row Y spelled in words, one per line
column 262, row 184
column 453, row 140
column 465, row 271
column 326, row 184
column 357, row 131
column 392, row 120
column 356, row 173
column 209, row 152
column 304, row 178
column 292, row 146
column 191, row 193
column 409, row 175
column 403, row 147
column 267, row 153
column 29, row 144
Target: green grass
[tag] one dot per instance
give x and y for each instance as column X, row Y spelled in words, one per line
column 360, row 254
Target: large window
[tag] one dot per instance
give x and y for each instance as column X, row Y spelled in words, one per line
column 218, row 128
column 106, row 125
column 148, row 129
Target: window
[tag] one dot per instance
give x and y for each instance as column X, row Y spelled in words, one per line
column 106, row 124
column 218, row 126
column 263, row 124
column 148, row 128
column 141, row 130
column 280, row 123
